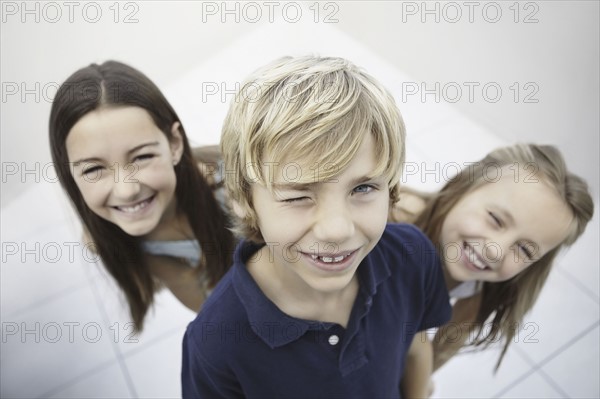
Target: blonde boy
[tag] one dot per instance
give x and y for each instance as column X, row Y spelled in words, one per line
column 324, row 298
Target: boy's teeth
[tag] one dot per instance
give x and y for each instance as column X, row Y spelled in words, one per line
column 329, row 259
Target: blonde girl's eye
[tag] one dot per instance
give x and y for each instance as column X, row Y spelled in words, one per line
column 495, row 219
column 528, row 250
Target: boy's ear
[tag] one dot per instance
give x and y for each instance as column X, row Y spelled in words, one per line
column 176, row 143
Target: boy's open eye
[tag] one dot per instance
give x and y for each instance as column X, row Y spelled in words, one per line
column 363, row 189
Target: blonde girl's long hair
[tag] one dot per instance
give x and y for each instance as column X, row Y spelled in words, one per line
column 504, row 304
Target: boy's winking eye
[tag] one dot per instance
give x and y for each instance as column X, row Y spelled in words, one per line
column 295, row 193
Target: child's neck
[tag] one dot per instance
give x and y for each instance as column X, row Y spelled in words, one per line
column 451, row 283
column 297, row 299
column 173, row 226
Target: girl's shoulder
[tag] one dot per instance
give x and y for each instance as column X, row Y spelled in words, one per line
column 466, row 289
column 410, row 205
column 210, row 164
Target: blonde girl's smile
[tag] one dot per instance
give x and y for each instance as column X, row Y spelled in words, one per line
column 472, row 259
column 501, row 228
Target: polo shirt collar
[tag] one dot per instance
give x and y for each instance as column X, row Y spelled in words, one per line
column 267, row 321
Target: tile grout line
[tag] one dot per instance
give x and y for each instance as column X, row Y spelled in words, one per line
column 64, row 292
column 545, row 360
column 102, row 366
column 434, row 125
column 594, row 296
column 38, row 231
column 537, row 369
column 106, row 364
column 115, row 346
column 154, row 340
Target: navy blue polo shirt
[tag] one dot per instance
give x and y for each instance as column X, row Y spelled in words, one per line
column 242, row 345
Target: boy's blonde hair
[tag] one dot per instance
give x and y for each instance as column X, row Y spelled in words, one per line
column 315, row 110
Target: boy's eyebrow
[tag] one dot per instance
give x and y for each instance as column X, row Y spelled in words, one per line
column 364, row 179
column 131, row 151
column 292, row 186
column 307, row 186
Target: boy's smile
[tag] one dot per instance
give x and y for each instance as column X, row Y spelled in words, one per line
column 317, row 234
column 332, row 261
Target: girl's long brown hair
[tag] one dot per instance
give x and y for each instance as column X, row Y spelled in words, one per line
column 113, row 84
column 504, row 304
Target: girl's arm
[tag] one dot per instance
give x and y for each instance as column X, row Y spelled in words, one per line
column 181, row 279
column 416, row 381
column 453, row 336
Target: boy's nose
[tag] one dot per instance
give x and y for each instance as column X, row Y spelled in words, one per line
column 334, row 224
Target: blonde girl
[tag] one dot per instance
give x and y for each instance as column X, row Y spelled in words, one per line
column 498, row 227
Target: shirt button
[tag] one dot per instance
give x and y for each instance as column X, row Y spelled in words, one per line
column 334, row 339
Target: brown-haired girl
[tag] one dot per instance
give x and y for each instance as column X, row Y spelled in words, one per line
column 124, row 160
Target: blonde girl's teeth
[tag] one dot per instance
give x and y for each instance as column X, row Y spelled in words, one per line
column 472, row 256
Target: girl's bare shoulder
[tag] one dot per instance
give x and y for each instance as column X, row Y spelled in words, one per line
column 208, row 159
column 410, row 205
